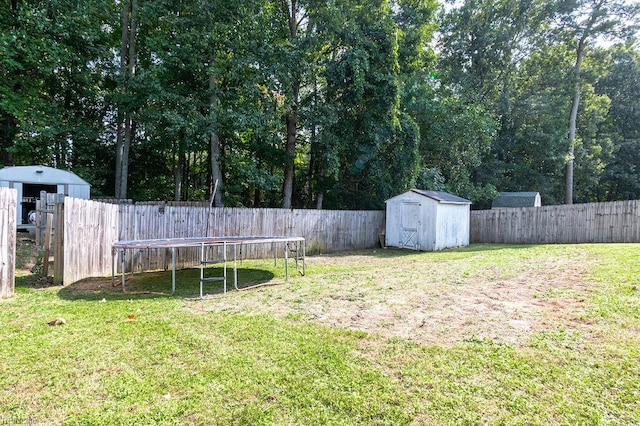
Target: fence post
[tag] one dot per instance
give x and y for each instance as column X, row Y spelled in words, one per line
column 58, row 250
column 8, row 223
column 47, row 245
column 41, row 217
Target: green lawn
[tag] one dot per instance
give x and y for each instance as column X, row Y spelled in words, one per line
column 263, row 355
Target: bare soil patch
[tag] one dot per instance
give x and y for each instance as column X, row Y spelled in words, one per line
column 27, row 254
column 29, row 261
column 442, row 302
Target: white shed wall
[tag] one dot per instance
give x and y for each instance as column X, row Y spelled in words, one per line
column 397, row 218
column 47, row 177
column 18, row 187
column 538, row 201
column 77, row 191
column 438, row 225
column 428, row 231
column 452, row 225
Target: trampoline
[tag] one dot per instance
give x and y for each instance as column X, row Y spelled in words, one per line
column 290, row 245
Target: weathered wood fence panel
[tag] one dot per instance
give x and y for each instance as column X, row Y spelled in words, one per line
column 89, row 229
column 8, row 205
column 326, row 231
column 615, row 222
column 45, row 205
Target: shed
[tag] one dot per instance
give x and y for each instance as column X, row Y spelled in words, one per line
column 29, row 181
column 427, row 220
column 516, row 199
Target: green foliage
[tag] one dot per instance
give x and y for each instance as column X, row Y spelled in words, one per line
column 514, row 59
column 50, row 95
column 621, row 178
column 380, row 104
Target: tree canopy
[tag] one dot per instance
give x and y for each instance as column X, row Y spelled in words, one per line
column 308, row 103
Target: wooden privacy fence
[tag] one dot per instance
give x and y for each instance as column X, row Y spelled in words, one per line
column 91, row 227
column 615, row 222
column 44, row 206
column 8, row 212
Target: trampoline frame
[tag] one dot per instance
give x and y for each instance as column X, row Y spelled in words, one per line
column 121, row 248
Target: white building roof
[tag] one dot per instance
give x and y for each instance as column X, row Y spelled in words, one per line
column 40, row 174
column 439, row 196
column 442, row 197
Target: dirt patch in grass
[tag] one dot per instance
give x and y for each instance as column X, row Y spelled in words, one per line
column 28, row 257
column 443, row 298
column 437, row 302
column 29, row 260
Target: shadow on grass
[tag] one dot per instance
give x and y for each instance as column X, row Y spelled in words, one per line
column 25, row 281
column 158, row 284
column 480, row 247
column 391, row 252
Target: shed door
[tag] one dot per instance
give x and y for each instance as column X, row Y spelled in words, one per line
column 409, row 225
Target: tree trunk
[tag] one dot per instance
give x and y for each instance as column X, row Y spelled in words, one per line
column 319, row 199
column 124, row 42
column 8, row 128
column 256, row 198
column 316, row 164
column 177, row 177
column 290, row 150
column 126, row 145
column 125, row 127
column 214, row 141
column 568, row 184
column 292, row 115
column 573, row 118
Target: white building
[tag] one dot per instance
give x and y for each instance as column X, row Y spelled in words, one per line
column 29, row 181
column 427, row 220
column 516, row 199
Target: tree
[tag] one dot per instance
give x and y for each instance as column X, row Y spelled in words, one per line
column 126, row 126
column 621, row 177
column 292, row 12
column 584, row 21
column 484, row 48
column 52, row 88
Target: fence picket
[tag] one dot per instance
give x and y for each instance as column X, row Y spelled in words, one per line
column 612, row 222
column 8, row 202
column 92, row 227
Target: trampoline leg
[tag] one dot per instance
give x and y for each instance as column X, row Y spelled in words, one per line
column 173, row 270
column 113, row 268
column 224, row 271
column 202, row 260
column 122, row 252
column 286, row 261
column 235, row 268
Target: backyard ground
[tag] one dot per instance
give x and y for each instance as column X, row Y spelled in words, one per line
column 487, row 334
column 443, row 301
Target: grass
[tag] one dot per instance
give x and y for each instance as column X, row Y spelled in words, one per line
column 146, row 357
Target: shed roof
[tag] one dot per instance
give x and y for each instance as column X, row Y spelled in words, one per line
column 440, row 196
column 516, row 199
column 40, row 174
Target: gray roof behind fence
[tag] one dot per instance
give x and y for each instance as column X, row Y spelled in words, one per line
column 516, row 199
column 40, row 174
column 441, row 196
